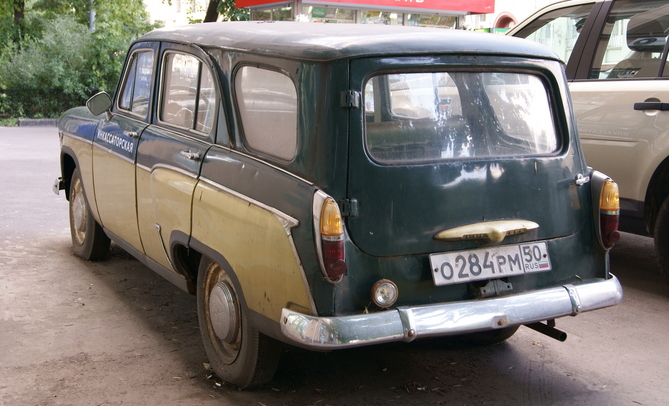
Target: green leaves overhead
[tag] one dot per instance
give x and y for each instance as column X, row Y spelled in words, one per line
column 52, row 51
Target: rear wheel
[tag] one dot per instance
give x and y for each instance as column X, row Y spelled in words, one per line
column 238, row 353
column 89, row 241
column 661, row 234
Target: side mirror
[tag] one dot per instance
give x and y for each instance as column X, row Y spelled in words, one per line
column 99, row 103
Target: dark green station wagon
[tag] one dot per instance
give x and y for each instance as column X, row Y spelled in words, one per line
column 334, row 186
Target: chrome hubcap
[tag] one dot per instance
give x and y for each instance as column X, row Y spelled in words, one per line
column 223, row 312
column 79, row 213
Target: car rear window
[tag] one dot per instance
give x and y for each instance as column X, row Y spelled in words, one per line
column 432, row 116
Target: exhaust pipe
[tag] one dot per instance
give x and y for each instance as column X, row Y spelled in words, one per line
column 549, row 330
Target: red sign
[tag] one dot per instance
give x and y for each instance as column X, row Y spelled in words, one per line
column 459, row 6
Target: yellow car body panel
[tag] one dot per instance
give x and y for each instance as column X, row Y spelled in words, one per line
column 164, row 199
column 240, row 231
column 114, row 179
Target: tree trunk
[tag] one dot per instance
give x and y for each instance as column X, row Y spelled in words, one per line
column 212, row 11
column 19, row 11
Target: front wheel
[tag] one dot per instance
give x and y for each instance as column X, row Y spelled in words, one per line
column 238, row 353
column 661, row 234
column 89, row 241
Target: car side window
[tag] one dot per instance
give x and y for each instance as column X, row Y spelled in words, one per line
column 558, row 29
column 188, row 98
column 136, row 89
column 267, row 103
column 632, row 41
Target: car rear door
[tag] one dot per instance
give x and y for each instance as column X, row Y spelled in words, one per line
column 440, row 143
column 171, row 150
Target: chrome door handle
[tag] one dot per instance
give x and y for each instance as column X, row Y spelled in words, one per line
column 193, row 156
column 131, row 134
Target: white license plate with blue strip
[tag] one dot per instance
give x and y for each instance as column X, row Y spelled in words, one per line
column 449, row 268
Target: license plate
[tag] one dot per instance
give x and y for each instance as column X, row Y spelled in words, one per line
column 489, row 263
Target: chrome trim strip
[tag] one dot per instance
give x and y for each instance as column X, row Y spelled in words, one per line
column 112, row 152
column 144, row 167
column 162, row 244
column 77, row 137
column 319, row 198
column 287, row 221
column 407, row 323
column 169, row 167
column 265, row 162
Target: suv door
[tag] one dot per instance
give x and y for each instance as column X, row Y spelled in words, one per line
column 170, row 152
column 115, row 146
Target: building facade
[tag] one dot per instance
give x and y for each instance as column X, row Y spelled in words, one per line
column 422, row 13
column 176, row 12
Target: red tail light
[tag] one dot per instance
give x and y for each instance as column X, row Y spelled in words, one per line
column 609, row 209
column 333, row 259
column 331, row 228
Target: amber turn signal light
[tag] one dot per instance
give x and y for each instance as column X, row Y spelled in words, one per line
column 332, row 240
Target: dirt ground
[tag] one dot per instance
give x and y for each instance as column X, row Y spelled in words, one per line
column 114, row 333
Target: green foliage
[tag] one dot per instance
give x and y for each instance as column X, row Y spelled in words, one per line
column 228, row 12
column 9, row 122
column 58, row 62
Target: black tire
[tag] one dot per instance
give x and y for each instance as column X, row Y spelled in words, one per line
column 492, row 336
column 238, row 353
column 661, row 236
column 89, row 241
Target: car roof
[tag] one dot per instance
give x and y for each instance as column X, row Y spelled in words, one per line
column 313, row 41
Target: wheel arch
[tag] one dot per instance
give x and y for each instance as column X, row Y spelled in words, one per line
column 68, row 163
column 198, row 249
column 185, row 259
column 656, row 193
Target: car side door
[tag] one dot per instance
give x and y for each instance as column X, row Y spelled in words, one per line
column 170, row 152
column 115, row 146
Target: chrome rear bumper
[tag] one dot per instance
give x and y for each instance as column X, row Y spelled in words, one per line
column 409, row 323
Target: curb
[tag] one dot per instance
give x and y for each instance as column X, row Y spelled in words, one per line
column 31, row 122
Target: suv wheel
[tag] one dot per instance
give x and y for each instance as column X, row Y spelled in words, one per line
column 661, row 234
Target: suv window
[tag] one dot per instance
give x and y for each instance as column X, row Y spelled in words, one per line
column 418, row 117
column 632, row 41
column 188, row 97
column 136, row 91
column 558, row 29
column 267, row 103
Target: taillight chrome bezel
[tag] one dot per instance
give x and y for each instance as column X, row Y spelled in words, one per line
column 606, row 211
column 320, row 201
